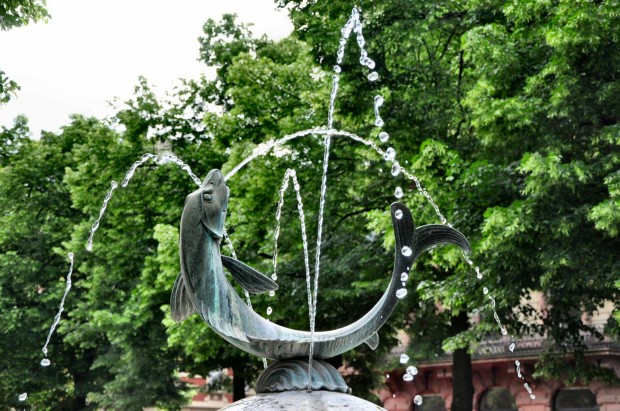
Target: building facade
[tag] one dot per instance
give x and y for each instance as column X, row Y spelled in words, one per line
column 499, row 383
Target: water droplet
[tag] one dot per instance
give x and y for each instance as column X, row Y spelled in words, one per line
column 370, row 64
column 23, row 396
column 387, row 375
column 274, row 277
column 390, row 153
column 408, row 377
column 504, row 331
column 272, row 293
column 337, row 68
column 404, row 277
column 479, row 276
column 532, row 396
column 417, row 400
column 398, row 193
column 343, row 41
column 383, row 136
column 398, row 214
column 395, row 170
column 406, row 251
column 404, row 358
column 401, row 293
column 485, row 290
column 378, row 101
column 373, row 76
column 114, row 185
column 379, row 122
column 412, row 370
column 89, row 246
column 269, row 310
column 44, row 350
column 512, row 347
column 45, row 362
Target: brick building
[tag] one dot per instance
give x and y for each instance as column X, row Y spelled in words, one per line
column 496, row 383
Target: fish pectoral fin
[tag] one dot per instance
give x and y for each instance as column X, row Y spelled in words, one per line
column 373, row 341
column 181, row 306
column 250, row 279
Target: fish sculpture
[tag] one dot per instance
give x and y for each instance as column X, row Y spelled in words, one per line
column 202, row 286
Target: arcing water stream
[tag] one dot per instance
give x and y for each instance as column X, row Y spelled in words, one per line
column 353, row 25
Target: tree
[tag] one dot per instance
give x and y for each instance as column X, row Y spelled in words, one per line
column 488, row 101
column 546, row 114
column 111, row 342
column 17, row 13
column 36, row 218
column 123, row 287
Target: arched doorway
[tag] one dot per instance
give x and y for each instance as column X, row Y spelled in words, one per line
column 497, row 399
column 575, row 399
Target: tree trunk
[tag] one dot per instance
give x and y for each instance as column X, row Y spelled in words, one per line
column 238, row 383
column 462, row 385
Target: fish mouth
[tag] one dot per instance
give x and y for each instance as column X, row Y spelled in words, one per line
column 215, row 177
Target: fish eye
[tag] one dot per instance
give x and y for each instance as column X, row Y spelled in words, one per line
column 207, row 197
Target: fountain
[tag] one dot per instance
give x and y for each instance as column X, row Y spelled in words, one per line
column 203, row 288
column 299, row 377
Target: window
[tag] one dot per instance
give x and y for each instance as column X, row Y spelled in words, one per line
column 215, row 397
column 497, row 399
column 575, row 399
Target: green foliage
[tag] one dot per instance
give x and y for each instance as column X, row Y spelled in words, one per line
column 8, row 87
column 36, row 217
column 17, row 13
column 126, row 282
column 505, row 112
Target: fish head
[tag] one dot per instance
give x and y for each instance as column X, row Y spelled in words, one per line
column 208, row 204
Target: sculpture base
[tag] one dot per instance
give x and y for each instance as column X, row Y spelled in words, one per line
column 303, row 401
column 292, row 375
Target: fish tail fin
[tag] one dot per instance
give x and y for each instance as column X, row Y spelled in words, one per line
column 429, row 236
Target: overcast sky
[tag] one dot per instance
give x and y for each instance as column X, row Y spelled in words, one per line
column 91, row 51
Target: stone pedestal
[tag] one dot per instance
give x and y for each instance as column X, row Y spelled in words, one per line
column 303, row 401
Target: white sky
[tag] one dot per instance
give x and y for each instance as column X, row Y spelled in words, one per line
column 91, row 51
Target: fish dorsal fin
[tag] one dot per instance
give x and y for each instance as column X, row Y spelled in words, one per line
column 180, row 305
column 250, row 279
column 373, row 341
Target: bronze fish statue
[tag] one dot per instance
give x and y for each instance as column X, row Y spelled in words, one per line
column 202, row 285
